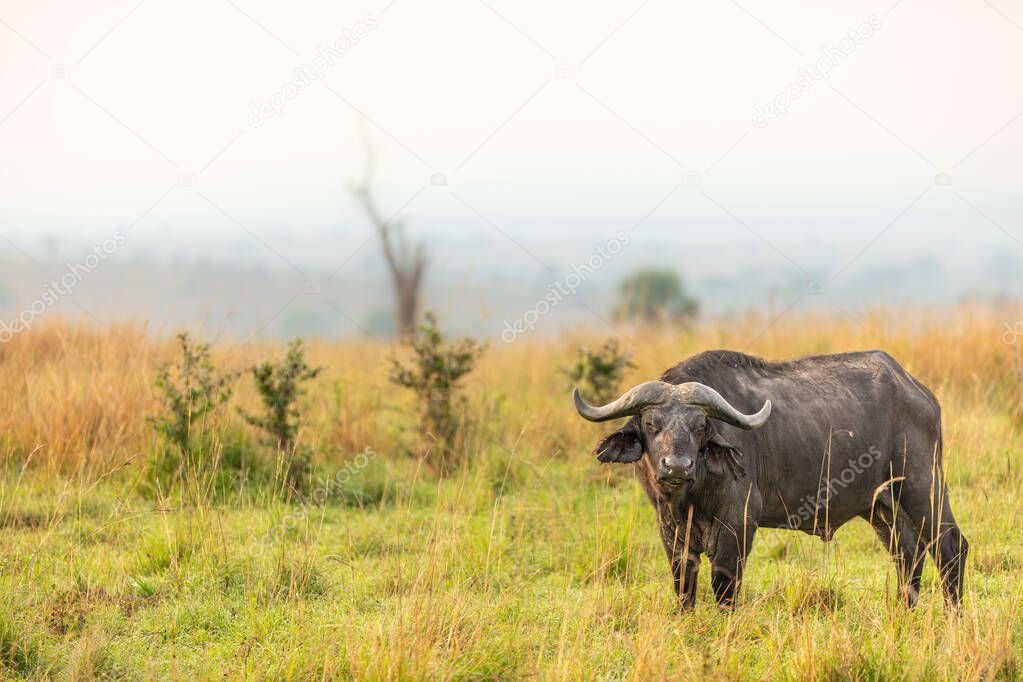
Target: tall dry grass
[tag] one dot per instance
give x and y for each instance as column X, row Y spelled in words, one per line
column 77, row 397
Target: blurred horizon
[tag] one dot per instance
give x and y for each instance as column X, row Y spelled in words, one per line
column 776, row 157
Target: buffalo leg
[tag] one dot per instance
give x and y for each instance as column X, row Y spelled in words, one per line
column 728, row 562
column 905, row 544
column 949, row 549
column 946, row 542
column 726, row 585
column 685, row 580
column 925, row 501
column 685, row 562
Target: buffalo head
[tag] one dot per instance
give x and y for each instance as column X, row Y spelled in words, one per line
column 671, row 424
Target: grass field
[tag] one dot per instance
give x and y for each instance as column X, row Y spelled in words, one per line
column 532, row 560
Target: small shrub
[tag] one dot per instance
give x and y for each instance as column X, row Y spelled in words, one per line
column 434, row 375
column 598, row 374
column 191, row 390
column 279, row 385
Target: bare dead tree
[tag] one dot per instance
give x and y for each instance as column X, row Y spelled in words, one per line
column 405, row 263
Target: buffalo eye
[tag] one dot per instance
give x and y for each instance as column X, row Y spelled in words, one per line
column 699, row 431
column 653, row 427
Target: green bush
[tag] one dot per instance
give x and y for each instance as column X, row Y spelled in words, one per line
column 434, row 374
column 598, row 374
column 279, row 385
column 191, row 390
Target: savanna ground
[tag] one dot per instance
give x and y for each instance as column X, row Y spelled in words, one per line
column 531, row 560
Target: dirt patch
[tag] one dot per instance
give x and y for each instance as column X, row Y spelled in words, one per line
column 69, row 610
column 23, row 520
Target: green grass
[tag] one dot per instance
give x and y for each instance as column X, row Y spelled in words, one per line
column 524, row 564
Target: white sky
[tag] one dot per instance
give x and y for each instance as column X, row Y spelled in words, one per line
column 468, row 88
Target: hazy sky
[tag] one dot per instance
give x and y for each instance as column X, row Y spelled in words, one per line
column 548, row 121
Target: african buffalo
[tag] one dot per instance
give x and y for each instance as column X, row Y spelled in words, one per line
column 726, row 443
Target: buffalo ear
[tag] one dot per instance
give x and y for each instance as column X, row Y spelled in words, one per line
column 722, row 456
column 622, row 446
